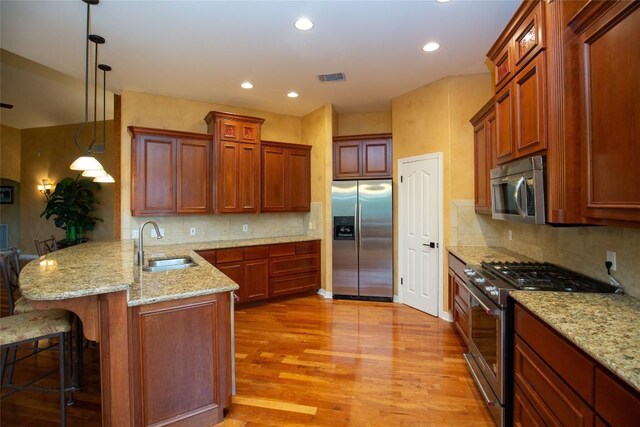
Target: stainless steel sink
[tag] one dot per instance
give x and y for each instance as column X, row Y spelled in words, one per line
column 166, row 264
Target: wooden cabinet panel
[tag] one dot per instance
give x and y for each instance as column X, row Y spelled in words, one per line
column 247, row 178
column 529, row 104
column 286, row 177
column 617, row 403
column 347, row 159
column 459, row 298
column 193, row 176
column 484, row 130
column 227, row 186
column 312, row 247
column 504, row 125
column 529, row 38
column 524, row 414
column 362, row 156
column 282, row 249
column 256, row 279
column 503, row 67
column 255, row 252
column 182, row 367
column 572, row 365
column 461, row 322
column 236, row 130
column 209, row 255
column 234, row 271
column 610, row 106
column 170, row 172
column 230, row 254
column 553, row 400
column 376, row 160
column 295, row 264
column 294, row 284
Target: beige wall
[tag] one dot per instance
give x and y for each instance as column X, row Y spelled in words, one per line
column 47, row 153
column 364, row 123
column 317, row 130
column 10, row 153
column 435, row 118
column 581, row 249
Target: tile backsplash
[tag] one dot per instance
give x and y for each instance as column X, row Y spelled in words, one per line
column 581, row 249
column 227, row 227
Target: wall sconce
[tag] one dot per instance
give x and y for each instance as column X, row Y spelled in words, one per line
column 45, row 188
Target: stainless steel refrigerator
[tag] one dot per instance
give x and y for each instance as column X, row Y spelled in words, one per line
column 363, row 239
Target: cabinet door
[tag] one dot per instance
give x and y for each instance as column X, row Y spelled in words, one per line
column 299, row 180
column 524, row 413
column 154, row 190
column 482, row 139
column 347, row 159
column 376, row 162
column 256, row 279
column 274, row 177
column 235, row 272
column 193, row 176
column 504, row 125
column 226, row 182
column 248, row 175
column 529, row 108
column 610, row 105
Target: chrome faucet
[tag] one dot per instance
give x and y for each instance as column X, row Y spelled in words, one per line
column 141, row 236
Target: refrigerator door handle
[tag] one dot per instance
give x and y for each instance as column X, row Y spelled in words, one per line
column 357, row 230
column 359, row 226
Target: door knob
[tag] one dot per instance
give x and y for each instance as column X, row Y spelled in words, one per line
column 431, row 244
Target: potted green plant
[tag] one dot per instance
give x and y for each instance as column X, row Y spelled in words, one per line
column 71, row 205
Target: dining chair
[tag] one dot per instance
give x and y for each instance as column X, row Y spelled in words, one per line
column 46, row 246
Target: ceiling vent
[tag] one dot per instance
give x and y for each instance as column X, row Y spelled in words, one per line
column 334, row 77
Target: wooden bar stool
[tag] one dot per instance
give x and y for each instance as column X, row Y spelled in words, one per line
column 45, row 246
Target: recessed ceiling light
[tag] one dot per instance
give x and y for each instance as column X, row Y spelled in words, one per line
column 246, row 85
column 430, row 47
column 304, row 24
column 293, row 94
column 443, row 1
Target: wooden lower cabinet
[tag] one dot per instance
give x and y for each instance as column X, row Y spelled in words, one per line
column 180, row 361
column 556, row 384
column 459, row 298
column 269, row 271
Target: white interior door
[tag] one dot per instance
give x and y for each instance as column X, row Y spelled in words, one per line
column 419, row 230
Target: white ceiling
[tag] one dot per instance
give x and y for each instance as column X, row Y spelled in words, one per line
column 203, row 50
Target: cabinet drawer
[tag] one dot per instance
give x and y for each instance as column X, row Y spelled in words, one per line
column 296, row 264
column 572, row 366
column 208, row 254
column 461, row 296
column 616, row 402
column 294, row 284
column 524, row 414
column 553, row 400
column 228, row 255
column 312, row 247
column 461, row 319
column 256, row 252
column 282, row 250
column 457, row 265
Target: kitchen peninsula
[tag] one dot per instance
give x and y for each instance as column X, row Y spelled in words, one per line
column 164, row 337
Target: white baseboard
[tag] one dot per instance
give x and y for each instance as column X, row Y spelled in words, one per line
column 396, row 298
column 445, row 315
column 323, row 293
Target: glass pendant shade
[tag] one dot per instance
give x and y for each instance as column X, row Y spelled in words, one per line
column 104, row 179
column 85, row 163
column 94, row 173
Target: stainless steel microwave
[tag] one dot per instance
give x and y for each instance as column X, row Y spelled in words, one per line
column 517, row 191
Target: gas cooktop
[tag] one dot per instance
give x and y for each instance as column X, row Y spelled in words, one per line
column 497, row 279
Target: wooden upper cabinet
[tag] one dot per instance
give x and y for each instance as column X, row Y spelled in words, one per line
column 193, row 158
column 528, row 39
column 529, row 108
column 170, row 171
column 484, row 131
column 362, row 156
column 504, row 150
column 609, row 74
column 286, row 177
column 236, row 172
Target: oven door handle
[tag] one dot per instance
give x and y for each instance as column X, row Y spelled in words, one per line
column 516, row 197
column 487, row 400
column 490, row 311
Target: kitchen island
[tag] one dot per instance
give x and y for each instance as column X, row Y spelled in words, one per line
column 164, row 337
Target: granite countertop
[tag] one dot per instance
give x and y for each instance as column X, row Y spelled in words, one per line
column 474, row 255
column 102, row 267
column 605, row 326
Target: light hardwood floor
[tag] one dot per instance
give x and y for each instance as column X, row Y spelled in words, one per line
column 316, row 362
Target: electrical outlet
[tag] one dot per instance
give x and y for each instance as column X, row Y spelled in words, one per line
column 245, row 227
column 192, row 231
column 135, row 234
column 611, row 257
column 311, row 227
column 510, row 235
column 154, row 234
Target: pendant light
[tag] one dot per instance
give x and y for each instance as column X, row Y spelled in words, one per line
column 87, row 163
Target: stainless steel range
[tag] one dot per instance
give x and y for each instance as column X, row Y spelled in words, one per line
column 491, row 322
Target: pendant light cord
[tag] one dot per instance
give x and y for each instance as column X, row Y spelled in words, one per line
column 86, row 85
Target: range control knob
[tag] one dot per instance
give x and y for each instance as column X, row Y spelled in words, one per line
column 479, row 280
column 490, row 289
column 469, row 272
column 494, row 293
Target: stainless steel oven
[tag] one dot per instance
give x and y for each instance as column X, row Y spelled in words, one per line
column 517, row 191
column 487, row 349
